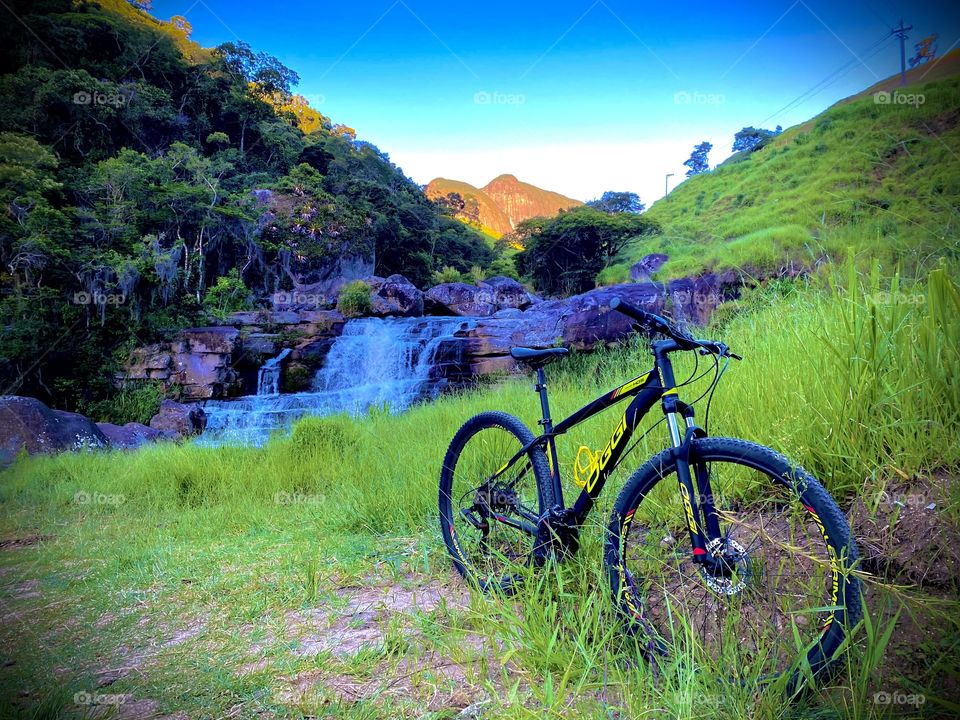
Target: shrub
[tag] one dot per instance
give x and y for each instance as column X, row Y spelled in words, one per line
column 134, row 403
column 447, row 275
column 356, row 299
column 228, row 294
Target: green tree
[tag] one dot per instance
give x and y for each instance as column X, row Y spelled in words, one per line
column 697, row 163
column 564, row 254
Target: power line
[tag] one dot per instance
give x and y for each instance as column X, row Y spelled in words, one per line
column 833, row 77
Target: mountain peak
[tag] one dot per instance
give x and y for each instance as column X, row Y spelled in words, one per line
column 503, row 202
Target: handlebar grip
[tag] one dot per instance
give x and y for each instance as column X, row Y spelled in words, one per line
column 641, row 316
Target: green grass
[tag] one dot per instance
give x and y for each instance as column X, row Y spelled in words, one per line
column 879, row 179
column 200, row 571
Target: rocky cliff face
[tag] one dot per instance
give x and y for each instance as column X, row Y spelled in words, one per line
column 503, row 202
column 521, row 201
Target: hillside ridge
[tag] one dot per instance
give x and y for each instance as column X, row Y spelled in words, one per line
column 504, row 202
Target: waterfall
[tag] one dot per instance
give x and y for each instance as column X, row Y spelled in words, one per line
column 268, row 379
column 374, row 363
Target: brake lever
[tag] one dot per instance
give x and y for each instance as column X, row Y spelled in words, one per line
column 722, row 351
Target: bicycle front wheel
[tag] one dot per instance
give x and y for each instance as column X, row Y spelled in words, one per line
column 785, row 594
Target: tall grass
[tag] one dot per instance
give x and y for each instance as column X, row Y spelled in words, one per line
column 855, row 381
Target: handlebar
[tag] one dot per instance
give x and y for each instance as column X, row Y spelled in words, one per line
column 654, row 323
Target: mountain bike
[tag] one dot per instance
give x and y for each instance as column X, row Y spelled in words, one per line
column 715, row 544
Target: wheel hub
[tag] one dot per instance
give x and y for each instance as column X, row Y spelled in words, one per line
column 497, row 499
column 727, row 575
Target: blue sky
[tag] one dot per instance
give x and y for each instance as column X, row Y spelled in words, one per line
column 578, row 97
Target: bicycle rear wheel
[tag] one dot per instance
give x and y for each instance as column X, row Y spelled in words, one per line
column 489, row 526
column 785, row 594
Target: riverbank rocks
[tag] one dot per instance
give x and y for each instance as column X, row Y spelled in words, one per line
column 395, row 296
column 481, row 300
column 179, row 420
column 199, row 361
column 132, row 435
column 506, row 293
column 222, row 361
column 28, row 424
column 583, row 322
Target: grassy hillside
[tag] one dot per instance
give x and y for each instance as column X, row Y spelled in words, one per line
column 880, row 178
column 307, row 578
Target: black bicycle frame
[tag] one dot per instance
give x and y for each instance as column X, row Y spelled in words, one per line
column 657, row 385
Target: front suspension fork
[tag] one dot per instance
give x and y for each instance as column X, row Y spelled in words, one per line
column 703, row 524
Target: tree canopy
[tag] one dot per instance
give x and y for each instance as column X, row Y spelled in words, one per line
column 697, row 163
column 563, row 254
column 176, row 181
column 618, row 202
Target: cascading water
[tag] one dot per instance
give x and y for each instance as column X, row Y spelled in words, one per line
column 375, row 362
column 268, row 379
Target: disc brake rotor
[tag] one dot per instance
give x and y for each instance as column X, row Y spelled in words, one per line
column 733, row 554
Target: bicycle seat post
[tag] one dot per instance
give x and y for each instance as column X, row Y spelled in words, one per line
column 547, row 421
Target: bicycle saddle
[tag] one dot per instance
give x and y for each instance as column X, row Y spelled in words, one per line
column 537, row 358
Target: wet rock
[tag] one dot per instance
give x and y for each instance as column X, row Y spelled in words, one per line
column 506, row 293
column 182, row 420
column 26, row 423
column 395, row 296
column 132, row 435
column 459, row 299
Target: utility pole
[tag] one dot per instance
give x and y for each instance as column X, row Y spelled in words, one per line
column 666, row 185
column 901, row 32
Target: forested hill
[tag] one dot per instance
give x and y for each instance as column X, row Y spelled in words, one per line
column 147, row 182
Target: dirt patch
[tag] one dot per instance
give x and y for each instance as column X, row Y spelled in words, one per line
column 26, row 590
column 432, row 681
column 123, row 707
column 904, row 535
column 941, row 123
column 179, row 637
column 14, row 543
column 361, row 621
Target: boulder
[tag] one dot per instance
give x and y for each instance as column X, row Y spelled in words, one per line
column 210, row 340
column 506, row 293
column 459, row 299
column 395, row 296
column 132, row 435
column 316, row 285
column 26, row 423
column 643, row 271
column 180, row 419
